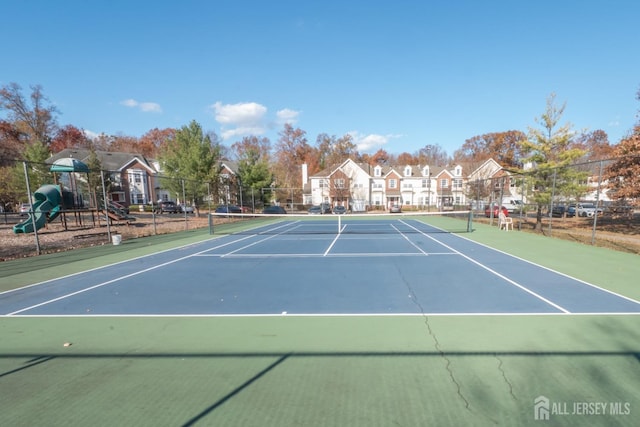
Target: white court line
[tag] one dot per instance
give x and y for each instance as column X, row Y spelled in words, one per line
column 331, row 245
column 99, row 285
column 287, row 314
column 503, row 277
column 113, row 264
column 407, row 239
column 556, row 272
column 331, row 255
column 259, row 241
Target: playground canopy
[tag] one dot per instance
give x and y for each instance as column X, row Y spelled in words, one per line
column 69, row 164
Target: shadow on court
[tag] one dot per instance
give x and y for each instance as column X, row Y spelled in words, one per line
column 314, row 371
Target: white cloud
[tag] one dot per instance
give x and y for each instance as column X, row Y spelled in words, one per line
column 91, row 135
column 146, row 107
column 151, row 107
column 249, row 118
column 287, row 116
column 372, row 142
column 129, row 103
column 245, row 118
column 241, row 131
column 241, row 114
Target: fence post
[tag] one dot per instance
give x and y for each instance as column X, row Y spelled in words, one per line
column 31, row 213
column 595, row 214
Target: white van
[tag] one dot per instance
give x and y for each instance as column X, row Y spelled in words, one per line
column 513, row 205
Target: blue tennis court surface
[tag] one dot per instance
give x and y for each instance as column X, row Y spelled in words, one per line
column 404, row 267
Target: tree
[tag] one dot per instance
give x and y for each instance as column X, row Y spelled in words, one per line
column 252, row 154
column 333, row 150
column 504, row 147
column 35, row 119
column 69, row 137
column 596, row 145
column 11, row 143
column 432, row 155
column 153, row 141
column 191, row 157
column 406, row 159
column 550, row 150
column 125, row 144
column 291, row 151
column 95, row 177
column 623, row 175
column 380, row 157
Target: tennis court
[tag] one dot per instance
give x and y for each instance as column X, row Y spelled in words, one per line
column 324, row 321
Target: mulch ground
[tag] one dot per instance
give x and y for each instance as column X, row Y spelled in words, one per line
column 55, row 237
column 621, row 233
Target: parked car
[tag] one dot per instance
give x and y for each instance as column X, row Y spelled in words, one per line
column 25, row 208
column 326, row 208
column 587, row 210
column 395, row 209
column 315, row 210
column 228, row 209
column 339, row 210
column 274, row 210
column 167, row 206
column 558, row 211
column 571, row 210
column 496, row 211
column 186, row 208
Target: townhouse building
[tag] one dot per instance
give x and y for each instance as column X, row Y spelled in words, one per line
column 133, row 178
column 361, row 186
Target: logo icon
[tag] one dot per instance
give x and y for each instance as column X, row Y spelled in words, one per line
column 541, row 408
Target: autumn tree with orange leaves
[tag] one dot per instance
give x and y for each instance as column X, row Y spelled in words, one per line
column 623, row 175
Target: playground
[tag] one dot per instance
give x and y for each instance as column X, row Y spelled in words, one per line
column 68, row 201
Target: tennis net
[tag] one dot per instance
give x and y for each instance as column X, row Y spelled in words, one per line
column 361, row 223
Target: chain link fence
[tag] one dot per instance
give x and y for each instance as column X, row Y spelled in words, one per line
column 577, row 196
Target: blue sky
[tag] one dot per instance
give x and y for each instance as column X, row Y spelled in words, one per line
column 397, row 75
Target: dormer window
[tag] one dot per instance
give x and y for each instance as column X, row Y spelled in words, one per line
column 377, row 171
column 425, row 171
column 407, row 171
column 458, row 171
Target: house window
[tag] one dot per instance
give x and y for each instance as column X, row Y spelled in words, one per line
column 444, row 183
column 407, row 185
column 338, row 183
column 393, row 183
column 457, row 184
column 377, row 171
column 424, row 183
column 407, row 171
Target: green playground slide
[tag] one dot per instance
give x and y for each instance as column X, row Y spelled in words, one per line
column 46, row 207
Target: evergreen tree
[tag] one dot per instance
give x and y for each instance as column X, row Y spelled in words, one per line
column 190, row 158
column 550, row 150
